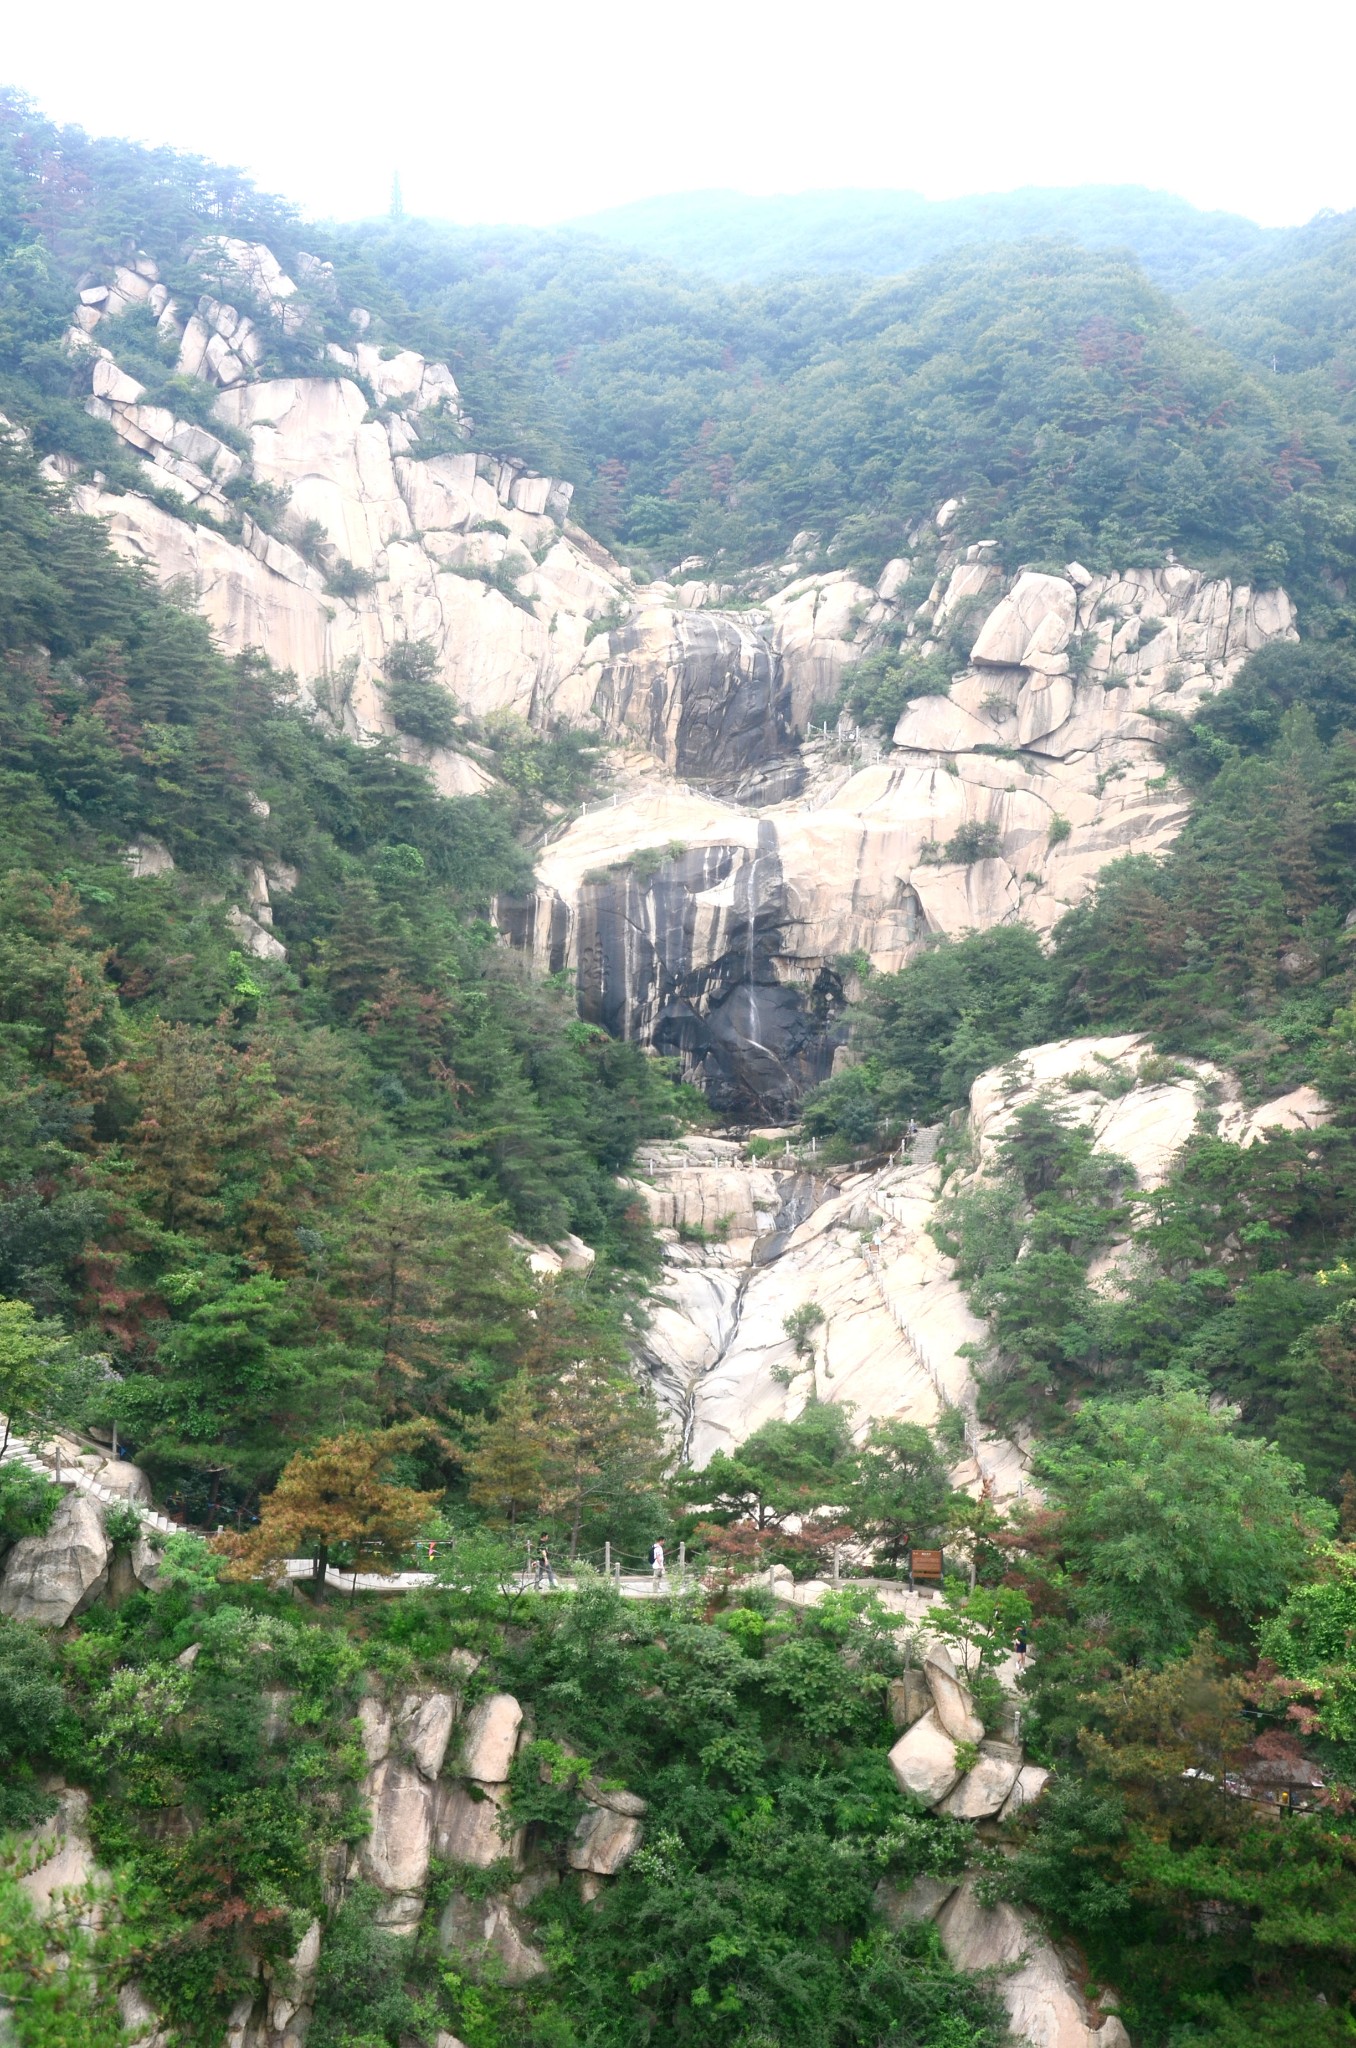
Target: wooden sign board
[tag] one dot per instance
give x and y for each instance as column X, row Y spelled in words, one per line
column 925, row 1564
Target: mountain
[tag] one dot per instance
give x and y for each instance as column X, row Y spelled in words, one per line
column 732, row 236
column 639, row 910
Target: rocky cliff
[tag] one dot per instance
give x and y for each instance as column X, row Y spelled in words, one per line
column 720, row 930
column 749, row 1239
column 750, row 849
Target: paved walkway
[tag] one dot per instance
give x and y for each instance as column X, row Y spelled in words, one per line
column 894, row 1596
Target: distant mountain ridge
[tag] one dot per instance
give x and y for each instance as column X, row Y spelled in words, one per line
column 731, row 235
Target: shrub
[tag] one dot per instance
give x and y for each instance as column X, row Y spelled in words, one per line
column 347, row 580
column 122, row 1525
column 973, row 841
column 424, row 711
column 27, row 1503
column 800, row 1327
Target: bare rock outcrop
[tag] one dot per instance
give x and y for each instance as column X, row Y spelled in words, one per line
column 950, row 1698
column 907, row 1699
column 481, row 1932
column 987, row 1786
column 924, row 1761
column 467, row 1825
column 604, row 1839
column 490, row 1737
column 1042, row 2005
column 923, row 1900
column 898, row 1337
column 63, row 1874
column 999, row 802
column 396, row 1853
column 51, row 1577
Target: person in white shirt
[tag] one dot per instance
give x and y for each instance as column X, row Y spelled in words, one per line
column 657, row 1564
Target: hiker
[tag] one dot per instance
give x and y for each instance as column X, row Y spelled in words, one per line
column 657, row 1565
column 544, row 1565
column 1020, row 1646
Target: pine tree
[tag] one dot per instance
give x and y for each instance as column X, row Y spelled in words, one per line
column 432, row 1287
column 337, row 1493
column 176, row 1145
column 605, row 1442
column 507, row 1465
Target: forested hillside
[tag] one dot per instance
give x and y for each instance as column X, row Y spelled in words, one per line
column 879, row 234
column 341, row 1225
column 1063, row 396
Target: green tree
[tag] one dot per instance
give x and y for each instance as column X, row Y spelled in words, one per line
column 44, row 1380
column 507, row 1457
column 1170, row 1519
column 899, row 1492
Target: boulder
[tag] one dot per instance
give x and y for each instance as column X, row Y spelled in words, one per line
column 924, row 1760
column 480, row 1931
column 374, row 1721
column 63, row 1865
column 951, row 1697
column 923, row 1900
column 127, row 1481
column 1032, row 623
column 466, row 1825
column 144, row 1558
column 292, row 1982
column 51, row 1577
column 1030, row 1783
column 396, row 1852
column 985, row 1788
column 603, row 1840
column 1042, row 2005
column 139, row 2018
column 423, row 1726
column 490, row 1738
column 617, row 1801
column 908, row 1699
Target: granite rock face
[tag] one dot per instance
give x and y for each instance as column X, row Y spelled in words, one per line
column 705, row 911
column 487, row 1935
column 924, row 1761
column 51, row 1577
column 490, row 1737
column 1043, row 2007
column 604, row 1840
column 396, row 1852
column 708, row 923
column 898, row 1331
column 466, row 1825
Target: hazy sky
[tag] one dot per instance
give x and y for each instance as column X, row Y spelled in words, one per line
column 534, row 112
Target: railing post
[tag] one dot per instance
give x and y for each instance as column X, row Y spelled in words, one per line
column 682, row 1567
column 607, row 1559
column 837, row 1573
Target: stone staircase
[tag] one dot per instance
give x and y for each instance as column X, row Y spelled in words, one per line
column 70, row 1473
